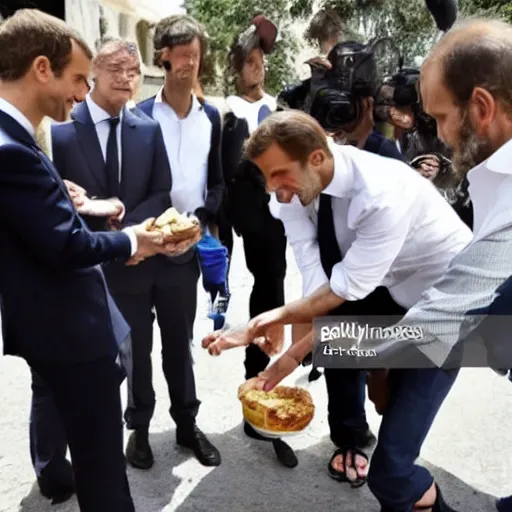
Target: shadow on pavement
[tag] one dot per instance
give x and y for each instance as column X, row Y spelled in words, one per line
column 251, row 478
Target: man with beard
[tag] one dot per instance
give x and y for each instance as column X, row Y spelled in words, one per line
column 473, row 114
column 246, row 208
column 191, row 132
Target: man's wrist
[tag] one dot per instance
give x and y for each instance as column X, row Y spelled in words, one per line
column 133, row 239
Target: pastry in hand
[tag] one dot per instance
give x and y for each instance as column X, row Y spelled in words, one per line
column 284, row 409
column 176, row 225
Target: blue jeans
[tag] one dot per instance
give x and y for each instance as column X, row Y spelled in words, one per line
column 417, row 395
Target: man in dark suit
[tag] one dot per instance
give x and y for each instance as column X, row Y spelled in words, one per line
column 56, row 310
column 87, row 151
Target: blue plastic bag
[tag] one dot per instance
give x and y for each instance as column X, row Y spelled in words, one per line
column 213, row 259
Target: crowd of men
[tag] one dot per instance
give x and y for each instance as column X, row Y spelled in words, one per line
column 417, row 227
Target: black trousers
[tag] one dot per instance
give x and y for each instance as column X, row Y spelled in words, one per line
column 84, row 400
column 346, row 388
column 265, row 256
column 175, row 301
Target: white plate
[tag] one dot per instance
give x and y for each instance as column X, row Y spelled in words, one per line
column 273, row 435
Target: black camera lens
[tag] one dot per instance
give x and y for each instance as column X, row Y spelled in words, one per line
column 334, row 110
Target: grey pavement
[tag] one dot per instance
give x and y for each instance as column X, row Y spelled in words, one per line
column 468, row 449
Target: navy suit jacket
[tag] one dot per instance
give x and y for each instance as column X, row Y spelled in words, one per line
column 215, row 180
column 54, row 301
column 145, row 180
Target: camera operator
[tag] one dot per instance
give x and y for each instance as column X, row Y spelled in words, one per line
column 416, row 132
column 340, row 96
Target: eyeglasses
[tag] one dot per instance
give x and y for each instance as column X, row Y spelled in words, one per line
column 131, row 73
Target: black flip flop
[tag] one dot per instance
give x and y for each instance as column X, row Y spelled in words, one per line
column 341, row 476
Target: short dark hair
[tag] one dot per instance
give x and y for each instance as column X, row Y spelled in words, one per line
column 177, row 30
column 295, row 132
column 478, row 53
column 324, row 25
column 30, row 33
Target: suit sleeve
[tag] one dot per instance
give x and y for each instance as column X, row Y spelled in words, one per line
column 60, row 146
column 34, row 205
column 215, row 174
column 159, row 197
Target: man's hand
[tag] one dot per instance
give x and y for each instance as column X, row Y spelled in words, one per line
column 218, row 341
column 178, row 248
column 76, row 192
column 271, row 343
column 259, row 325
column 149, row 243
column 273, row 375
column 100, row 207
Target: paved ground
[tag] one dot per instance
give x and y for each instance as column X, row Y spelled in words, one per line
column 469, row 448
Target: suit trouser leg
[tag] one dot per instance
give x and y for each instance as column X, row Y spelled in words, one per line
column 137, row 311
column 265, row 256
column 346, row 389
column 417, row 395
column 176, row 305
column 48, row 443
column 87, row 396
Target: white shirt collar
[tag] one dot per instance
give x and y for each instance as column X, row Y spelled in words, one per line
column 98, row 115
column 498, row 162
column 196, row 104
column 11, row 110
column 338, row 187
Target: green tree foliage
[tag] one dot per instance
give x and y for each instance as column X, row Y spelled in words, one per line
column 224, row 20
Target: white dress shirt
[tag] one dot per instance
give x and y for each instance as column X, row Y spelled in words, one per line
column 188, row 143
column 392, row 226
column 11, row 110
column 249, row 111
column 100, row 118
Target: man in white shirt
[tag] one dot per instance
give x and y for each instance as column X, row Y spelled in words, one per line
column 392, row 228
column 191, row 133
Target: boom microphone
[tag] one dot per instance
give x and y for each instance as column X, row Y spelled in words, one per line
column 444, row 12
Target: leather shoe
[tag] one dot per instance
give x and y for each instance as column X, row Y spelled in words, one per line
column 138, row 451
column 57, row 493
column 504, row 504
column 285, row 453
column 193, row 438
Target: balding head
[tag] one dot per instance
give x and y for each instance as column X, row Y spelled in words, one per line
column 474, row 53
column 465, row 84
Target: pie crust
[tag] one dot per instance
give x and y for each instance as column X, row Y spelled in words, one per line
column 284, row 409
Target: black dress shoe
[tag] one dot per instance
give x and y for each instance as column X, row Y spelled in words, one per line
column 57, row 493
column 191, row 437
column 138, row 451
column 285, row 453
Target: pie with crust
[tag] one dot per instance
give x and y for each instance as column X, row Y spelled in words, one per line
column 175, row 225
column 284, row 409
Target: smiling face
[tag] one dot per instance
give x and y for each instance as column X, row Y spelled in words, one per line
column 117, row 76
column 58, row 92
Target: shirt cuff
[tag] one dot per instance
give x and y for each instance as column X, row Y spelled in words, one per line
column 340, row 285
column 133, row 239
